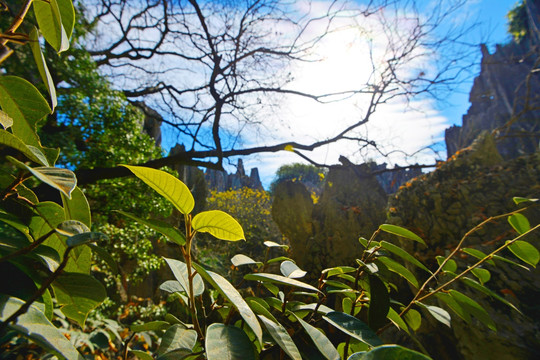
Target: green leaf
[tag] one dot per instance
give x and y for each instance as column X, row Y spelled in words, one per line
column 71, row 228
column 525, row 252
column 474, row 284
column 8, row 139
column 233, row 296
column 50, row 24
column 63, row 180
column 450, row 265
column 379, row 302
column 291, row 270
column 454, row 306
column 518, row 200
column 67, row 14
column 25, row 105
column 473, row 308
column 338, row 270
column 325, row 346
column 389, row 352
column 413, row 319
column 42, row 66
column 398, row 230
column 260, row 309
column 278, row 259
column 399, row 269
column 78, row 294
column 5, row 120
column 104, row 255
column 281, row 337
column 151, row 326
column 218, row 223
column 353, row 327
column 520, row 223
column 77, row 208
column 35, row 326
column 225, row 342
column 171, row 188
column 321, row 309
column 482, row 274
column 170, row 232
column 180, row 273
column 396, row 250
column 278, row 279
column 172, row 286
column 177, row 354
column 272, row 244
column 240, row 260
column 85, row 238
column 503, row 259
column 477, row 254
column 394, row 317
column 141, row 355
column 439, row 314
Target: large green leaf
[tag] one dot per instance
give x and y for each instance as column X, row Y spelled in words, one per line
column 389, row 352
column 8, row 139
column 325, row 346
column 50, row 24
column 291, row 270
column 258, row 307
column 473, row 308
column 170, row 232
column 398, row 230
column 180, row 272
column 233, row 296
column 474, row 284
column 399, row 269
column 353, row 327
column 167, row 186
column 42, row 66
column 281, row 337
column 77, row 208
column 67, row 13
column 78, row 294
column 218, row 223
column 379, row 302
column 177, row 337
column 25, row 105
column 278, row 279
column 35, row 326
column 525, row 252
column 240, row 259
column 520, row 223
column 225, row 342
column 439, row 314
column 63, row 180
column 396, row 250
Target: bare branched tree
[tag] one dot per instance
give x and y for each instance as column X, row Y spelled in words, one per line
column 213, row 69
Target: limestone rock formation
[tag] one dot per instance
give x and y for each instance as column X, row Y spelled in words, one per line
column 442, row 206
column 221, row 181
column 326, row 234
column 504, row 98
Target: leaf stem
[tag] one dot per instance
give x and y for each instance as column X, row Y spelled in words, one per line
column 29, row 248
column 190, row 234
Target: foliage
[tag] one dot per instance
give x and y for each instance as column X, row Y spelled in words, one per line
column 518, row 23
column 252, row 209
column 311, row 176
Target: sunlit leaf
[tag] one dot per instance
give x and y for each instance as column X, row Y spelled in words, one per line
column 278, row 279
column 50, row 24
column 281, row 337
column 177, row 337
column 171, row 188
column 77, row 208
column 338, row 270
column 399, row 269
column 180, row 272
column 34, row 325
column 413, row 319
column 275, row 244
column 474, row 284
column 520, row 223
column 353, row 327
column 8, row 139
column 482, row 274
column 439, row 314
column 398, row 230
column 240, row 260
column 394, row 317
column 42, row 66
column 230, row 293
column 477, row 254
column 5, row 120
column 219, row 224
column 519, row 200
column 525, row 252
column 291, row 270
column 450, row 265
column 396, row 250
column 320, row 340
column 389, row 352
column 67, row 14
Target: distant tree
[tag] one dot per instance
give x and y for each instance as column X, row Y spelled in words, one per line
column 518, row 25
column 311, row 176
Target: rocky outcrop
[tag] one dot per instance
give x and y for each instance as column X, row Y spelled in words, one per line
column 326, row 234
column 221, row 181
column 442, row 206
column 504, row 99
